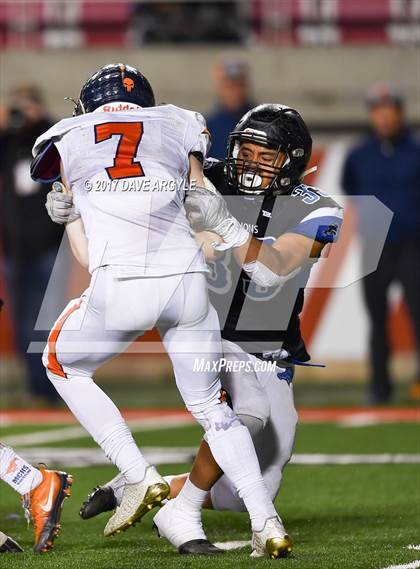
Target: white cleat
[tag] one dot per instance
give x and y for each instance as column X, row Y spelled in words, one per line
column 137, row 500
column 183, row 530
column 176, row 525
column 272, row 541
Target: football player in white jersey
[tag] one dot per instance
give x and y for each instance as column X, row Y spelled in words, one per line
column 126, row 162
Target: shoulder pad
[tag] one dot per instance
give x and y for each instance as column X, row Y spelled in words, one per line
column 45, row 167
column 214, row 170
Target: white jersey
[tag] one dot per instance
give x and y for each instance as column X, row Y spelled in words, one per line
column 128, row 172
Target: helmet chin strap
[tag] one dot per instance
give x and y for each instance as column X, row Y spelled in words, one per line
column 309, row 171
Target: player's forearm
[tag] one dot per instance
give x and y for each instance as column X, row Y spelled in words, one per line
column 78, row 242
column 254, row 250
column 206, row 241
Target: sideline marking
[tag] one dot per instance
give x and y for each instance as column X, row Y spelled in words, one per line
column 88, row 456
column 71, row 433
column 355, row 459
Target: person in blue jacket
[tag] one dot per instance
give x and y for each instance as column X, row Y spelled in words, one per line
column 386, row 164
column 231, row 78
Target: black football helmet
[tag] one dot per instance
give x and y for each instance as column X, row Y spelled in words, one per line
column 114, row 82
column 277, row 127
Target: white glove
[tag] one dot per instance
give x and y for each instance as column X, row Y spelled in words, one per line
column 207, row 211
column 59, row 206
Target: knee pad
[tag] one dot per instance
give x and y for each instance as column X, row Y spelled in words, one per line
column 216, row 419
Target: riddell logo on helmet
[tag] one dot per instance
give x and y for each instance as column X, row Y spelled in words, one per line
column 128, row 84
column 110, row 108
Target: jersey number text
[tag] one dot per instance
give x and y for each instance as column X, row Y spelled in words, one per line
column 130, row 134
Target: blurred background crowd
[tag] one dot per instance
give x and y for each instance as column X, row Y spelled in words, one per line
column 350, row 67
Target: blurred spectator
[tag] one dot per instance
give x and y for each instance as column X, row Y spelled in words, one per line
column 191, row 21
column 232, row 81
column 29, row 241
column 387, row 165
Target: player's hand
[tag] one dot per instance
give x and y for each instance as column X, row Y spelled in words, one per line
column 207, row 211
column 59, row 206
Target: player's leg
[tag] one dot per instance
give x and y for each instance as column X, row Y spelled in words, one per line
column 43, row 492
column 409, row 275
column 90, row 332
column 197, row 338
column 273, row 436
column 274, row 443
column 264, row 403
column 16, row 472
column 375, row 289
column 251, row 405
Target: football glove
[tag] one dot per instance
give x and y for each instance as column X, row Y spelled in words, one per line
column 207, row 211
column 59, row 206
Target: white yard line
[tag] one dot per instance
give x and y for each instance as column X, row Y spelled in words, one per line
column 72, row 433
column 42, row 437
column 80, row 457
column 415, row 547
column 411, row 565
column 355, row 459
column 228, row 545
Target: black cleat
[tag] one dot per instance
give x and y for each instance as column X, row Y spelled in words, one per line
column 101, row 499
column 9, row 545
column 199, row 547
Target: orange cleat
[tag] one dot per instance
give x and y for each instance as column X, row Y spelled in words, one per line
column 44, row 504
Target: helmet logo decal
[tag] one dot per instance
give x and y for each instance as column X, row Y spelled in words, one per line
column 255, row 131
column 128, row 84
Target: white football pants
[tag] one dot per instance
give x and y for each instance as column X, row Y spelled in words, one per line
column 103, row 322
column 267, row 397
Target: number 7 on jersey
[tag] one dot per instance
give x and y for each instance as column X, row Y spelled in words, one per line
column 130, row 134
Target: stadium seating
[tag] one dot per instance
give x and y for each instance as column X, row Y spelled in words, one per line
column 127, row 23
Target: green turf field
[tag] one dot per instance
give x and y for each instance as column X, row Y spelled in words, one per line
column 165, row 395
column 348, row 517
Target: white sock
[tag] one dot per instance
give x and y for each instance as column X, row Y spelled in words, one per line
column 119, row 446
column 186, row 512
column 191, row 499
column 101, row 418
column 117, row 484
column 234, row 452
column 17, row 473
